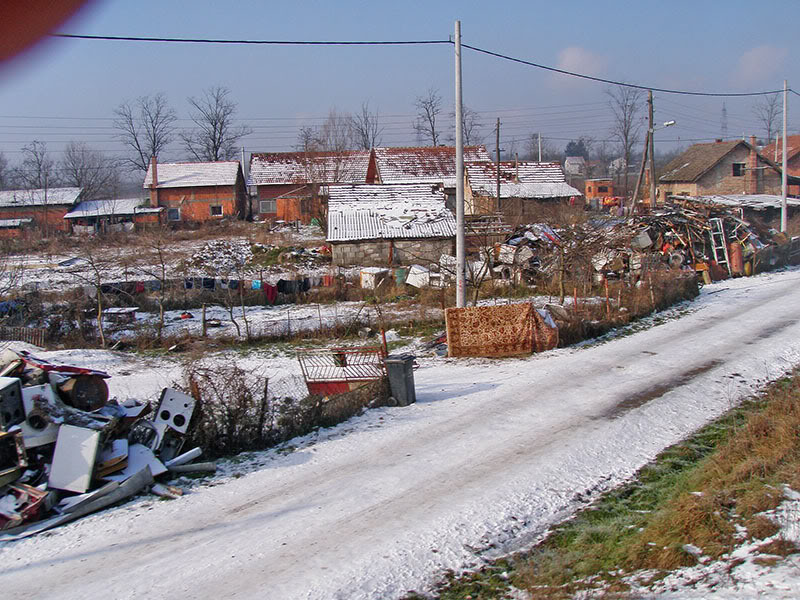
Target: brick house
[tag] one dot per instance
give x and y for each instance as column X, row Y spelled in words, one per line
column 524, row 187
column 43, row 209
column 774, row 152
column 732, row 167
column 288, row 183
column 197, row 192
column 389, row 224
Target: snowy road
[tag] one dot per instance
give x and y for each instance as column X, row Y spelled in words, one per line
column 492, row 453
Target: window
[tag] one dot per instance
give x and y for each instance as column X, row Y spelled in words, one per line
column 267, row 206
column 173, row 214
column 602, row 188
column 738, row 169
column 216, row 210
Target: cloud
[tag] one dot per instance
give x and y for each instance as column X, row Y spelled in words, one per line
column 578, row 60
column 760, row 64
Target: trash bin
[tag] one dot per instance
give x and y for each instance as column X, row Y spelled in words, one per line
column 400, row 368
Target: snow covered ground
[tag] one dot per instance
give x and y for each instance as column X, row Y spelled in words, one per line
column 491, row 455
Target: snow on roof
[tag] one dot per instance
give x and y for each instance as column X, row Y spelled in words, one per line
column 41, row 197
column 109, row 207
column 520, row 180
column 380, row 211
column 754, row 201
column 429, row 164
column 309, row 167
column 14, row 223
column 193, row 174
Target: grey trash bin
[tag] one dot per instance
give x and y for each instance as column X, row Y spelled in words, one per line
column 400, row 368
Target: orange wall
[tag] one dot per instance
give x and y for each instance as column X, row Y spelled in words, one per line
column 53, row 215
column 592, row 190
column 195, row 202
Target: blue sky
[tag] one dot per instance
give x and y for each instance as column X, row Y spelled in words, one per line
column 703, row 45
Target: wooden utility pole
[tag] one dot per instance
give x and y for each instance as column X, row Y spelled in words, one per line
column 651, row 151
column 632, row 206
column 497, row 164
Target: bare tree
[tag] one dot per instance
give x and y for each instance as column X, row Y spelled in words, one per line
column 89, row 170
column 37, row 170
column 767, row 110
column 626, row 104
column 429, row 107
column 307, row 139
column 471, row 126
column 157, row 244
column 335, row 134
column 216, row 135
column 365, row 128
column 549, row 152
column 146, row 126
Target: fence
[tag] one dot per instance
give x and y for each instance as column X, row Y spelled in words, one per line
column 337, row 370
column 35, row 336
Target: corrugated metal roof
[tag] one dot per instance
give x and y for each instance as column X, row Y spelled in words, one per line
column 43, row 197
column 754, row 201
column 193, row 174
column 14, row 223
column 308, row 167
column 379, row 211
column 427, row 164
column 520, row 180
column 107, row 208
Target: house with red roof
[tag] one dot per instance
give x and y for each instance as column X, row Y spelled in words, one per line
column 774, row 152
column 197, row 192
column 288, row 184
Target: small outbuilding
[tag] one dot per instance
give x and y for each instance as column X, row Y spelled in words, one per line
column 381, row 225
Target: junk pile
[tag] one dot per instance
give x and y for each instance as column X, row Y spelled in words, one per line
column 66, row 450
column 713, row 240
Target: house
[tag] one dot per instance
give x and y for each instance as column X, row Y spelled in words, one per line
column 197, row 192
column 524, row 187
column 731, row 167
column 386, row 224
column 774, row 152
column 42, row 208
column 425, row 164
column 120, row 214
column 287, row 183
column 575, row 166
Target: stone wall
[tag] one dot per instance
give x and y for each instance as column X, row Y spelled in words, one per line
column 395, row 252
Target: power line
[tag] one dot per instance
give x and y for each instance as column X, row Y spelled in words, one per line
column 120, row 38
column 611, row 81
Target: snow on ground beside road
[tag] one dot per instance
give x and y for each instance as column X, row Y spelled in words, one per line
column 492, row 454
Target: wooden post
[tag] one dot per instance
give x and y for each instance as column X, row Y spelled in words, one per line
column 575, row 299
column 608, row 301
column 205, row 327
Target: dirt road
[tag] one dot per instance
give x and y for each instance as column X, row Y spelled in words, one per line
column 491, row 455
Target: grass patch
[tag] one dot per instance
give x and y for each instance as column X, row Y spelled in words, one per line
column 696, row 493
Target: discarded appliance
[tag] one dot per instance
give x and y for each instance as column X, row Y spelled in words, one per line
column 372, row 277
column 73, row 459
column 13, row 458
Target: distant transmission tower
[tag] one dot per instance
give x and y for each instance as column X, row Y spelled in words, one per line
column 724, row 123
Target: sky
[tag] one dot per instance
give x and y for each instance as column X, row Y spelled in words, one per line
column 66, row 89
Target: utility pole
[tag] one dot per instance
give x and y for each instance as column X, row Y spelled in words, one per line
column 784, row 180
column 461, row 291
column 651, row 130
column 497, row 160
column 540, row 146
column 632, row 206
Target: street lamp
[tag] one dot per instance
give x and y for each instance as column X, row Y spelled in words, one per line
column 651, row 131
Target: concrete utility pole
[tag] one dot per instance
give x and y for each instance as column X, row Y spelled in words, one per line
column 651, row 152
column 461, row 288
column 540, row 146
column 784, row 178
column 497, row 160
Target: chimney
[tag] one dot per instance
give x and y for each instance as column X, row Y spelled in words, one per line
column 154, row 183
column 751, row 174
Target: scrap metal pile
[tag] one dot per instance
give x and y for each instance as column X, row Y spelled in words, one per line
column 66, row 450
column 714, row 240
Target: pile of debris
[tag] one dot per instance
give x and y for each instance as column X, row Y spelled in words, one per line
column 712, row 239
column 66, row 450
